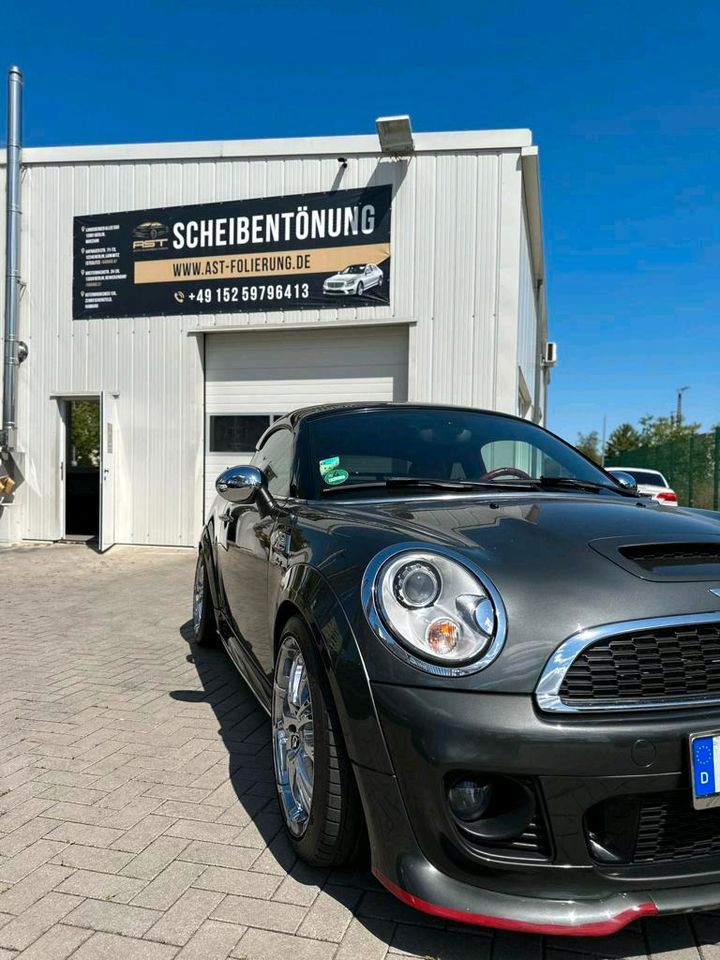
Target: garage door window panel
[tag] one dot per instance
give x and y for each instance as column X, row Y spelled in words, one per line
column 238, row 433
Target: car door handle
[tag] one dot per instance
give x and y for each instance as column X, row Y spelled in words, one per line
column 227, row 516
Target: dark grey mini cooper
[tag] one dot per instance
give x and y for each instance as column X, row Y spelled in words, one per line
column 483, row 653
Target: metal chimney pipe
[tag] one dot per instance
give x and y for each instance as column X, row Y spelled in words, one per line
column 12, row 257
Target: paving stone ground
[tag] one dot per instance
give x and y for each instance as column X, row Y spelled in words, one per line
column 137, row 816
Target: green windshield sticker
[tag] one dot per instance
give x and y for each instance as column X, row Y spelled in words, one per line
column 327, row 465
column 336, row 476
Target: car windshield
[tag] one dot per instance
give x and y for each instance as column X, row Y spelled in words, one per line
column 648, row 478
column 355, row 268
column 354, row 447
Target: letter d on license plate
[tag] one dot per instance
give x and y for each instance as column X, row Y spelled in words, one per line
column 705, row 769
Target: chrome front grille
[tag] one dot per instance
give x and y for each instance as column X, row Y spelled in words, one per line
column 644, row 664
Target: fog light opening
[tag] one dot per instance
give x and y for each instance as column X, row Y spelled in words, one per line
column 469, row 799
column 491, row 808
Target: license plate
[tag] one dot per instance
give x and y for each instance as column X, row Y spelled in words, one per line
column 705, row 769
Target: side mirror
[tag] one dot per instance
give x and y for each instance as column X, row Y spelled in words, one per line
column 626, row 480
column 240, row 484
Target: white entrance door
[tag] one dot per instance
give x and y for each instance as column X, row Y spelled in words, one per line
column 253, row 376
column 108, row 470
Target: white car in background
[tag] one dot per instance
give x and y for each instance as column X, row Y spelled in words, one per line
column 650, row 482
column 355, row 280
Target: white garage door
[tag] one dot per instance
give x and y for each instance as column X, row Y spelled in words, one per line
column 251, row 377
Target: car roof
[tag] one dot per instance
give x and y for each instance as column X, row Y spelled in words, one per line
column 325, row 409
column 658, row 473
column 644, row 469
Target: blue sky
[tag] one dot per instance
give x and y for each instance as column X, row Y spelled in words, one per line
column 623, row 99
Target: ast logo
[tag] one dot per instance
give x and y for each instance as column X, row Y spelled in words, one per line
column 150, row 235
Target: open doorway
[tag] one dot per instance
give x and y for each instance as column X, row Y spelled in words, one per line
column 82, row 469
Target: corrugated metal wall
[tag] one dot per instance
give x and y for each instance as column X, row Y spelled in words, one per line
column 527, row 316
column 449, row 228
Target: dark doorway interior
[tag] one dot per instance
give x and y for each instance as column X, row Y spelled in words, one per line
column 82, row 459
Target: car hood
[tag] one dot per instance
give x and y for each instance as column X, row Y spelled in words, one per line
column 349, row 277
column 553, row 558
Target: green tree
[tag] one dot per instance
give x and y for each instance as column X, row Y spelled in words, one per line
column 623, row 438
column 85, row 432
column 589, row 444
column 655, row 430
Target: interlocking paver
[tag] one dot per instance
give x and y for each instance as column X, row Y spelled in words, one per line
column 101, row 886
column 58, row 943
column 24, row 836
column 182, row 920
column 369, row 941
column 265, row 945
column 181, row 810
column 18, row 867
column 197, row 830
column 154, row 858
column 331, row 913
column 106, row 946
column 266, row 914
column 36, row 920
column 93, row 858
column 213, row 941
column 85, row 834
column 165, row 889
column 137, row 798
column 422, row 942
column 516, row 946
column 17, row 898
column 670, row 938
column 220, row 854
column 142, row 834
column 245, row 883
column 113, row 918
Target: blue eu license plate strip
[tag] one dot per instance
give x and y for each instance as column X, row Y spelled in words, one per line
column 705, row 769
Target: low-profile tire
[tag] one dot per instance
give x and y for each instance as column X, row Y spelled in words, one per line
column 204, row 626
column 316, row 788
column 359, row 290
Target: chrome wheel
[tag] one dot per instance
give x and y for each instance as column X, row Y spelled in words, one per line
column 198, row 595
column 293, row 741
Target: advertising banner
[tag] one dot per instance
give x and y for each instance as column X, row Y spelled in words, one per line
column 314, row 250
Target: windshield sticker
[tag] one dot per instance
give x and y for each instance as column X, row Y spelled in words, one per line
column 327, row 465
column 336, row 476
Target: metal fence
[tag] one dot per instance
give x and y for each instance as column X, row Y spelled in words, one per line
column 691, row 466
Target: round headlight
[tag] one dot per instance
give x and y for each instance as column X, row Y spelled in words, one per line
column 417, row 585
column 436, row 608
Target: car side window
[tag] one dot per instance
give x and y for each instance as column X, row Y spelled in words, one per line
column 275, row 459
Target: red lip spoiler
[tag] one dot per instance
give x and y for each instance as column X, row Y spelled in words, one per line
column 600, row 928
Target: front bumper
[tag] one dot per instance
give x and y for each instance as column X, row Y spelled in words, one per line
column 574, row 765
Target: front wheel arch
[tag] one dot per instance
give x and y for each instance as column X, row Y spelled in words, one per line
column 308, row 595
column 286, row 610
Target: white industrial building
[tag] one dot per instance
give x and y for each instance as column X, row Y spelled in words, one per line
column 465, row 322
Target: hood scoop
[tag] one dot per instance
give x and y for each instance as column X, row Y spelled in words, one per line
column 667, row 560
column 699, row 559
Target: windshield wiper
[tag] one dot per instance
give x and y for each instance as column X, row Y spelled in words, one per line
column 592, row 485
column 397, row 483
column 532, row 483
column 570, row 483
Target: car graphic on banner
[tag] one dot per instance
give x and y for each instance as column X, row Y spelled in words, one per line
column 355, row 279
